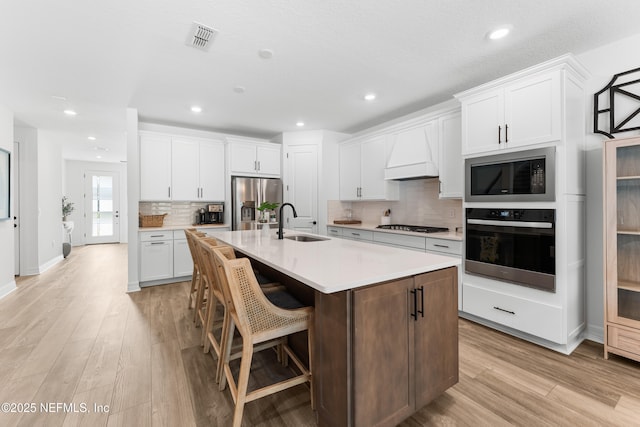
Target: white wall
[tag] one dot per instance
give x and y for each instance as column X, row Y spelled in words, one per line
column 602, row 63
column 74, row 188
column 7, row 282
column 49, row 201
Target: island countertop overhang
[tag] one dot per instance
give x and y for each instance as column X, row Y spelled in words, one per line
column 333, row 265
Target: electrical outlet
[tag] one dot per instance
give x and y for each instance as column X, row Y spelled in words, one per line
column 452, row 213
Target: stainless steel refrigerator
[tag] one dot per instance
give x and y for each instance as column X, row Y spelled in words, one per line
column 246, row 196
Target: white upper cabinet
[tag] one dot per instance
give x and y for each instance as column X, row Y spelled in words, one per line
column 184, row 172
column 522, row 112
column 181, row 168
column 212, row 172
column 450, row 158
column 362, row 166
column 155, row 167
column 255, row 158
column 349, row 171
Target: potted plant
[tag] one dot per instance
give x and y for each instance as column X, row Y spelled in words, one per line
column 265, row 208
column 67, row 208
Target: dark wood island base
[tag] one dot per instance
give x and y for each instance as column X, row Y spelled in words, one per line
column 384, row 351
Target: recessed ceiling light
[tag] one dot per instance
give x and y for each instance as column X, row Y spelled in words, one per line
column 239, row 89
column 98, row 157
column 370, row 96
column 499, row 32
column 265, row 53
column 300, row 124
column 196, row 109
column 91, row 138
column 70, row 112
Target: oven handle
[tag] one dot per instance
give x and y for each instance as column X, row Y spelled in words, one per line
column 522, row 224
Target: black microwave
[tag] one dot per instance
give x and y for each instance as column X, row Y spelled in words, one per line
column 523, row 176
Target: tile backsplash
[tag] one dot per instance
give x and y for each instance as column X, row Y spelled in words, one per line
column 418, row 205
column 179, row 213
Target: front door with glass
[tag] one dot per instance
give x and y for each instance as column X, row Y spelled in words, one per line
column 102, row 210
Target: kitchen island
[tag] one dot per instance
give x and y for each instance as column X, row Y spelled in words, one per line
column 386, row 334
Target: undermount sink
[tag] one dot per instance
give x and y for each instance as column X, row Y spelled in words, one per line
column 305, row 238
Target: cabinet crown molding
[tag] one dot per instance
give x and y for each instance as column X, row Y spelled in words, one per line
column 565, row 62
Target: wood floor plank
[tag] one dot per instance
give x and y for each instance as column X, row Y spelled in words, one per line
column 59, row 384
column 21, row 390
column 138, row 416
column 599, row 412
column 629, row 406
column 171, row 400
column 96, row 402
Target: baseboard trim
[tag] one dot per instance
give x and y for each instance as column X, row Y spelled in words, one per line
column 47, row 265
column 7, row 288
column 595, row 333
column 573, row 341
column 133, row 287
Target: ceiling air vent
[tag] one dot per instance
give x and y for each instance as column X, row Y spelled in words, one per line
column 200, row 36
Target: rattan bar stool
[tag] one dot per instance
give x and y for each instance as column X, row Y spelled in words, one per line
column 191, row 235
column 261, row 324
column 207, row 296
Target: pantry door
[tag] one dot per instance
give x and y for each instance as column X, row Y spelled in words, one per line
column 102, row 207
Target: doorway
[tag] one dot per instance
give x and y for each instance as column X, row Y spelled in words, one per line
column 15, row 177
column 102, row 207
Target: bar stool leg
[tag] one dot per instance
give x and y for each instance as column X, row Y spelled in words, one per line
column 243, row 382
column 228, row 329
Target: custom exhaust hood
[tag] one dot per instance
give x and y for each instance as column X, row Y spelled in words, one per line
column 414, row 154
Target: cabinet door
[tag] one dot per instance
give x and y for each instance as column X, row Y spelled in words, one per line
column 182, row 260
column 383, row 345
column 373, row 161
column 533, row 110
column 243, row 158
column 184, row 172
column 212, row 171
column 482, row 115
column 436, row 334
column 156, row 260
column 268, row 159
column 302, row 188
column 155, row 168
column 450, row 162
column 349, row 171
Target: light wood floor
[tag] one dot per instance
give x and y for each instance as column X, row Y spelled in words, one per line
column 71, row 335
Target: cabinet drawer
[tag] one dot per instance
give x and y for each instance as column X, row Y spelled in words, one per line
column 624, row 339
column 334, row 231
column 179, row 235
column 528, row 316
column 350, row 233
column 453, row 247
column 416, row 242
column 150, row 236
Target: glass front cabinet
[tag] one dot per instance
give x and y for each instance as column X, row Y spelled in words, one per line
column 622, row 247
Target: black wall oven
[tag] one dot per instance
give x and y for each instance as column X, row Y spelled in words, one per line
column 523, row 176
column 512, row 245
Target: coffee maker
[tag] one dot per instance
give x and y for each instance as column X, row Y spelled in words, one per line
column 213, row 213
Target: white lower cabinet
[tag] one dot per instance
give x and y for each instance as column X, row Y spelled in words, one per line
column 522, row 314
column 156, row 260
column 354, row 234
column 182, row 260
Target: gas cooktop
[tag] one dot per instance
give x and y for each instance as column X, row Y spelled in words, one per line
column 414, row 228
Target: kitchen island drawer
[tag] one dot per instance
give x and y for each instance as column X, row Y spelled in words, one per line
column 525, row 315
column 150, row 236
column 416, row 242
column 453, row 247
column 351, row 233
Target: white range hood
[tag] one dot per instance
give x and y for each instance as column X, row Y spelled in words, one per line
column 414, row 153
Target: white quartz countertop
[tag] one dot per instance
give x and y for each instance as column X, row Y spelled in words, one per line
column 183, row 227
column 448, row 235
column 333, row 265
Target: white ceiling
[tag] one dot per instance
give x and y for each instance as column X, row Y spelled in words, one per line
column 105, row 56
